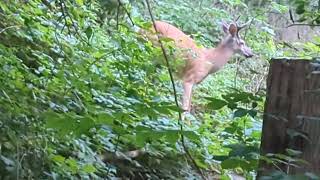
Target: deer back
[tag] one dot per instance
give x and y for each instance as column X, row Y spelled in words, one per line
column 182, row 41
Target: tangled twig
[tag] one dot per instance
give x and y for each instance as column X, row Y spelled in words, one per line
column 66, row 15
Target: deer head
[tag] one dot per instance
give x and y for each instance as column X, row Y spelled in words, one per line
column 233, row 40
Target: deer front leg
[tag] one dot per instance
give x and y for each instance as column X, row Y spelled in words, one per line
column 187, row 94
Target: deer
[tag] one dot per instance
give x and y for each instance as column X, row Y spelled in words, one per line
column 200, row 61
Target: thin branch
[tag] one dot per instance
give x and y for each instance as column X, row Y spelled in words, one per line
column 260, row 82
column 251, row 22
column 115, row 151
column 287, row 44
column 6, row 28
column 237, row 72
column 303, row 24
column 291, row 16
column 237, row 18
column 200, row 5
column 125, row 9
column 174, row 93
column 117, row 18
column 65, row 15
column 45, row 2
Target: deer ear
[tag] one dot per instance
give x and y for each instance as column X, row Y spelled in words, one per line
column 233, row 29
column 225, row 27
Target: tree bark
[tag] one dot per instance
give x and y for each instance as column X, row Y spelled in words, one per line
column 292, row 114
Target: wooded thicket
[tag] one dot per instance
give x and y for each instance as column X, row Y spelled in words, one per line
column 84, row 96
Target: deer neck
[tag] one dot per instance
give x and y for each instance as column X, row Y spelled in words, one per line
column 218, row 56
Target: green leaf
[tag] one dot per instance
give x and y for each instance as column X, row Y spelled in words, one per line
column 73, row 165
column 58, row 159
column 80, row 2
column 294, row 133
column 172, row 136
column 300, row 9
column 99, row 54
column 252, row 113
column 68, row 123
column 232, row 105
column 145, row 134
column 59, row 122
column 230, row 163
column 278, row 7
column 89, row 168
column 201, row 163
column 141, row 139
column 235, row 162
column 89, row 32
column 254, row 104
column 292, row 152
column 192, row 135
column 216, row 104
column 225, row 177
column 84, row 125
column 166, row 39
column 240, row 113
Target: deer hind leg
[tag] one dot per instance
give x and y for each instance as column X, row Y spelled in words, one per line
column 187, row 95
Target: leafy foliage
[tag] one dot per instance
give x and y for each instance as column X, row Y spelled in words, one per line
column 83, row 95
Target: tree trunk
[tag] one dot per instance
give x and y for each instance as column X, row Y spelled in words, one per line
column 292, row 115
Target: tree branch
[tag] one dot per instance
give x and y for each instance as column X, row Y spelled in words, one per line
column 6, row 28
column 175, row 94
column 125, row 9
column 303, row 24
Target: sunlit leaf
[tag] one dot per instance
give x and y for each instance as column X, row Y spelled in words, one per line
column 80, row 2
column 89, row 168
column 58, row 158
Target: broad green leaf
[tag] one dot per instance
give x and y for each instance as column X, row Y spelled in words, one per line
column 192, row 136
column 233, row 163
column 72, row 164
column 230, row 163
column 89, row 32
column 142, row 139
column 58, row 159
column 240, row 113
column 200, row 163
column 172, row 136
column 105, row 118
column 89, row 168
column 68, row 123
column 252, row 113
column 216, row 104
